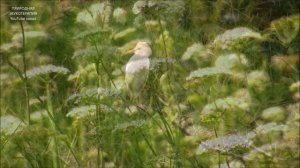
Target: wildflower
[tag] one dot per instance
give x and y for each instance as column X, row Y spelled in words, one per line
column 120, row 15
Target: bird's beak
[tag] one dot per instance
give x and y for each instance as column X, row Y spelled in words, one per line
column 131, row 51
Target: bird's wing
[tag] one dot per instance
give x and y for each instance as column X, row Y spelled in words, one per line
column 136, row 63
column 137, row 73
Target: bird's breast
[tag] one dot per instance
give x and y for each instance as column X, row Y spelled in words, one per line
column 137, row 64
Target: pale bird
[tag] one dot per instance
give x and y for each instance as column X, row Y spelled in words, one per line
column 137, row 68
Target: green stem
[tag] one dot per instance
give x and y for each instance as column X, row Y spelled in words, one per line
column 177, row 140
column 55, row 151
column 25, row 74
column 227, row 162
column 219, row 153
column 98, row 115
column 149, row 144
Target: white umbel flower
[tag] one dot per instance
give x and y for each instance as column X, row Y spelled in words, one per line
column 137, row 68
column 120, row 15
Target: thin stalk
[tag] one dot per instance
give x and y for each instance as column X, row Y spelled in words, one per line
column 1, row 146
column 219, row 154
column 55, row 154
column 77, row 136
column 166, row 55
column 98, row 115
column 136, row 148
column 175, row 143
column 149, row 144
column 25, row 81
column 98, row 119
column 227, row 162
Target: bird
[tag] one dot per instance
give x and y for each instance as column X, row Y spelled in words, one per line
column 137, row 69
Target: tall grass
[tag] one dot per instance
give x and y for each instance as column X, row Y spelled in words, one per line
column 222, row 91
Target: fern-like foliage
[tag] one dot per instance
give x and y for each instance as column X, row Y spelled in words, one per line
column 35, row 101
column 197, row 130
column 120, row 15
column 128, row 125
column 229, row 36
column 82, row 112
column 266, row 128
column 82, row 72
column 258, row 80
column 286, row 29
column 138, row 6
column 235, row 164
column 270, row 150
column 225, row 64
column 193, row 50
column 91, row 51
column 95, row 14
column 7, row 47
column 160, row 61
column 275, row 113
column 46, row 69
column 29, row 35
column 231, row 60
column 209, row 71
column 93, row 93
column 124, row 33
column 166, row 7
column 91, row 32
column 228, row 103
column 224, row 144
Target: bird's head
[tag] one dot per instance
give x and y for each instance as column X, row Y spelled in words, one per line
column 141, row 49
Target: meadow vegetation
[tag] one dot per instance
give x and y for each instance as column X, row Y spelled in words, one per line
column 223, row 89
